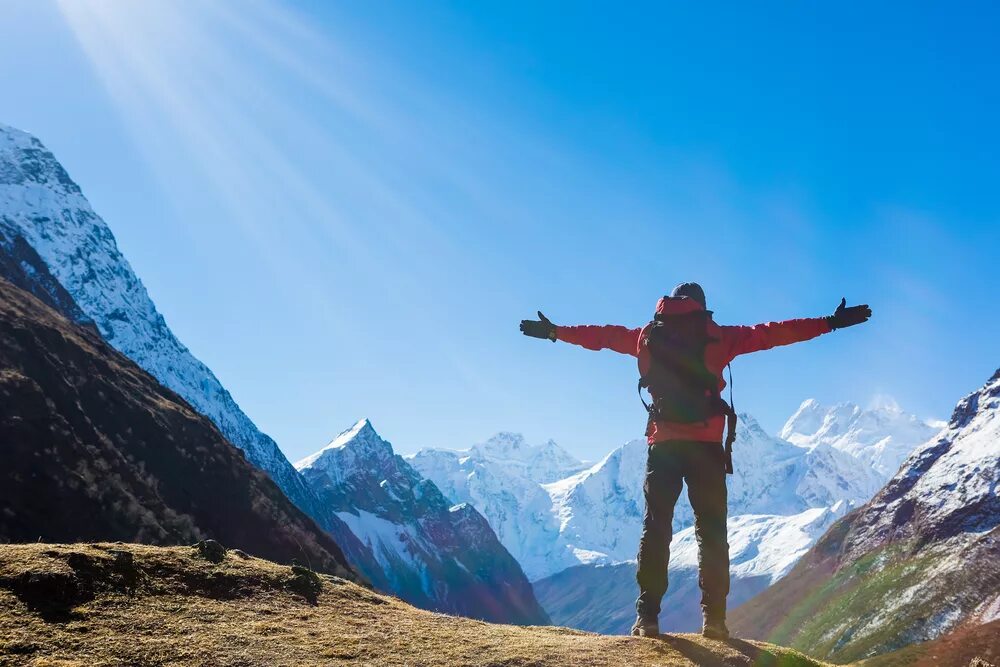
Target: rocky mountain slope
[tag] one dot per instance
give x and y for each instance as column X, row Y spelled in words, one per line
column 432, row 553
column 920, row 560
column 882, row 437
column 42, row 206
column 129, row 604
column 94, row 448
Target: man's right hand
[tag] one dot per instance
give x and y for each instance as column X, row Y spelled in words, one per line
column 848, row 317
column 540, row 328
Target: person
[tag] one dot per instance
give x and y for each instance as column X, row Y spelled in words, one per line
column 685, row 440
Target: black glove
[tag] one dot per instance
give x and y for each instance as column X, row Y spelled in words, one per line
column 540, row 328
column 848, row 317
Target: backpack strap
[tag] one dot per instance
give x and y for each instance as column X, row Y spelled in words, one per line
column 649, row 408
column 731, row 421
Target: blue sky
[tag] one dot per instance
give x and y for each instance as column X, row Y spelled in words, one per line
column 344, row 209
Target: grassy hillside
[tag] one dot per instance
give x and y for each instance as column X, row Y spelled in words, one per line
column 102, row 604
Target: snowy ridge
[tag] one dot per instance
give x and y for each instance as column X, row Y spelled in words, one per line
column 882, row 436
column 44, row 205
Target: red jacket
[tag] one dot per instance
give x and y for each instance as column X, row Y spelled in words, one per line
column 732, row 341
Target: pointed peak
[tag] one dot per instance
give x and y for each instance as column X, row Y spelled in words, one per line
column 361, row 438
column 361, row 432
column 362, row 425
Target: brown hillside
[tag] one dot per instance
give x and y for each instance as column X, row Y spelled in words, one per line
column 113, row 604
column 93, row 448
column 956, row 649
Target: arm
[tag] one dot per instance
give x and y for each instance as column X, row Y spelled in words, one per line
column 620, row 339
column 610, row 337
column 744, row 339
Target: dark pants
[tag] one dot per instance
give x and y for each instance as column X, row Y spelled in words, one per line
column 702, row 466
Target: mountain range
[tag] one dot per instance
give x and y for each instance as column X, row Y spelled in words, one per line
column 53, row 245
column 579, row 534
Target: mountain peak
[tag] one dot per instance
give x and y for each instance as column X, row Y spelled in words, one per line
column 882, row 435
column 504, row 445
column 362, row 429
column 361, row 439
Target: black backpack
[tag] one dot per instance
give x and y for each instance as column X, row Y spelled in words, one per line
column 682, row 388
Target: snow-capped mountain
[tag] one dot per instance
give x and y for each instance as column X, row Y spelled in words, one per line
column 882, row 436
column 433, row 553
column 41, row 208
column 600, row 510
column 919, row 560
column 595, row 516
column 503, row 478
column 762, row 549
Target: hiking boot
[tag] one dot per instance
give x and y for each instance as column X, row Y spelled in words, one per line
column 646, row 627
column 715, row 628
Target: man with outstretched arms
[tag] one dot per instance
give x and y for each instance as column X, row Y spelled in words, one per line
column 681, row 355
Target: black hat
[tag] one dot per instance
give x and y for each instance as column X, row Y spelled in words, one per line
column 691, row 291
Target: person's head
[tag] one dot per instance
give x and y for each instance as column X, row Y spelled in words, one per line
column 691, row 291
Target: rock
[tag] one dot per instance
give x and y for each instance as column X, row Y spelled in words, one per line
column 305, row 582
column 211, row 550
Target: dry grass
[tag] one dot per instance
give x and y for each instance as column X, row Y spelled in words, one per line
column 114, row 604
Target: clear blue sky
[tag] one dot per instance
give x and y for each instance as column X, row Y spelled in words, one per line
column 345, row 208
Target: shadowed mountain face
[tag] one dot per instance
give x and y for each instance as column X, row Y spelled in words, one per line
column 94, row 448
column 920, row 560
